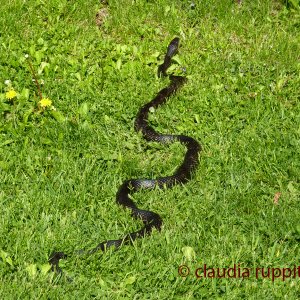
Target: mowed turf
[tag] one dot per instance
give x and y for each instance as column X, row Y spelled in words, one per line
column 61, row 166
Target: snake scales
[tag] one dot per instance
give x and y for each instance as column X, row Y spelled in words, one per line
column 183, row 173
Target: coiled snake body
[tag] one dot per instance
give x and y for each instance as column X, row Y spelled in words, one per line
column 183, row 173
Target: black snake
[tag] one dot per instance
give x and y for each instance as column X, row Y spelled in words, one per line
column 183, row 173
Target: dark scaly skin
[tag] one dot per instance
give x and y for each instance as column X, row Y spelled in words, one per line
column 184, row 172
column 171, row 51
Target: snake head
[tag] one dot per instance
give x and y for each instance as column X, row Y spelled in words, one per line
column 171, row 51
column 173, row 47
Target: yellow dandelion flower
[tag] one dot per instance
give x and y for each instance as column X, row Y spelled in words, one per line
column 45, row 102
column 10, row 94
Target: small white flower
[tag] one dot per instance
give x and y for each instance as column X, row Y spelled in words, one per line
column 7, row 82
column 26, row 55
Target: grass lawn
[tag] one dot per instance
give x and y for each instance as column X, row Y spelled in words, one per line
column 60, row 166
